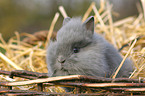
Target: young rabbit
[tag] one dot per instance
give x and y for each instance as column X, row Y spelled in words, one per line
column 79, row 50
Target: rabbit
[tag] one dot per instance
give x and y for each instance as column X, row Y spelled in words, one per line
column 78, row 50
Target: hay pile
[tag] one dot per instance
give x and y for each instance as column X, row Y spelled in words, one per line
column 21, row 55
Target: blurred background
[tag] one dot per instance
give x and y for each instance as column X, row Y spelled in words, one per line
column 34, row 15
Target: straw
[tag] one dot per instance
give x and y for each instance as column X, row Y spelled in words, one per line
column 51, row 28
column 143, row 4
column 100, row 20
column 118, row 69
column 88, row 11
column 102, row 6
column 10, row 62
column 120, row 22
column 63, row 12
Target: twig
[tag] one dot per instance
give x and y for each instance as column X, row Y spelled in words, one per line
column 30, row 74
column 71, row 77
column 126, row 89
column 98, row 85
column 22, row 92
column 103, row 85
column 27, row 92
column 24, row 74
column 136, row 89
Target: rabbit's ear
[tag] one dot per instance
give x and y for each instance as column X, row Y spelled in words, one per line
column 66, row 20
column 89, row 24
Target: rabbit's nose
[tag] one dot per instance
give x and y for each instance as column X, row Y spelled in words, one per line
column 61, row 59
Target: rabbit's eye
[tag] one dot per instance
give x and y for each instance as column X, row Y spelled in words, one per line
column 75, row 50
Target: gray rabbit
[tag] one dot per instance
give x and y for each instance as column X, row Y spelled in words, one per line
column 79, row 50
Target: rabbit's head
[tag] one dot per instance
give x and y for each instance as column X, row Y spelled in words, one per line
column 74, row 50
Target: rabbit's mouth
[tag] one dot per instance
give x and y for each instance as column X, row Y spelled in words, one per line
column 64, row 69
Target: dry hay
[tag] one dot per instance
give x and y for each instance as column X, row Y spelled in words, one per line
column 22, row 55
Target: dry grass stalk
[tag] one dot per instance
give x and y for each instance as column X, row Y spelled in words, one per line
column 63, row 12
column 18, row 38
column 121, row 22
column 51, row 28
column 100, row 20
column 3, row 57
column 121, row 64
column 136, row 73
column 143, row 4
column 102, row 6
column 2, row 40
column 112, row 35
column 88, row 11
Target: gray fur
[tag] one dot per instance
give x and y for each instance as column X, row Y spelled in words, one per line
column 67, row 19
column 96, row 57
